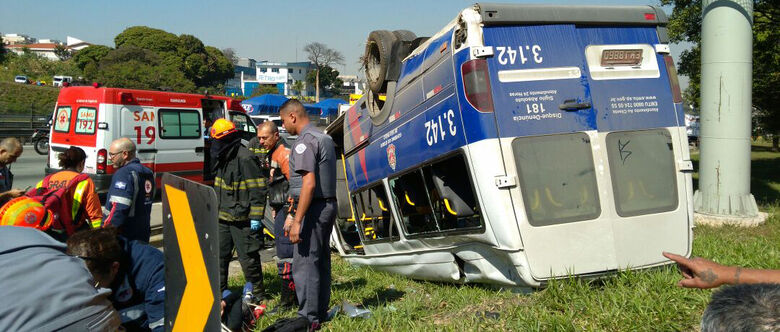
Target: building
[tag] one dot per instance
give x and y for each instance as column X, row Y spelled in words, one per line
column 14, row 39
column 249, row 74
column 351, row 85
column 43, row 47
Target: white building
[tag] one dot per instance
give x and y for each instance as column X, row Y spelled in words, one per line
column 14, row 38
column 283, row 75
column 45, row 47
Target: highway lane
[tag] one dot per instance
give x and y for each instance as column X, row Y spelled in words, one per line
column 29, row 168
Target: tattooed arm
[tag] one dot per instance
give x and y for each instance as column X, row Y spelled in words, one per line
column 704, row 273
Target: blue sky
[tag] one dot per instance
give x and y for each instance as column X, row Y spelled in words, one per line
column 263, row 30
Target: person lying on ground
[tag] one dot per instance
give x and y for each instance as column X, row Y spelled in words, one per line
column 133, row 270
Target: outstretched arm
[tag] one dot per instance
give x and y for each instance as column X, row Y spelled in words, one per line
column 703, row 273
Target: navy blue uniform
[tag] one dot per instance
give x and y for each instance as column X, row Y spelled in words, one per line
column 6, row 179
column 139, row 287
column 129, row 201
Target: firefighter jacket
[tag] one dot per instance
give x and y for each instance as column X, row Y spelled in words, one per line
column 239, row 183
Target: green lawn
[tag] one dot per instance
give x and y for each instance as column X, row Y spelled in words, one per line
column 627, row 301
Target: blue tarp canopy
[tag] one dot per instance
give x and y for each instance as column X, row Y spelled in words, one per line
column 264, row 104
column 325, row 107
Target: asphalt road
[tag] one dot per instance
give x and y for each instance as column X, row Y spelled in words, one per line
column 29, row 168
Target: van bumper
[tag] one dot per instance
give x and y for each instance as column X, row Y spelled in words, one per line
column 102, row 181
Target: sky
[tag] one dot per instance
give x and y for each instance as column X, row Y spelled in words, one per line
column 263, row 30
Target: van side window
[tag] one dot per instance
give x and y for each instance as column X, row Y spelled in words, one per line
column 437, row 198
column 179, row 124
column 454, row 203
column 85, row 120
column 643, row 171
column 557, row 178
column 374, row 214
column 62, row 119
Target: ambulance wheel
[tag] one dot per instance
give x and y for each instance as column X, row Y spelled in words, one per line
column 376, row 61
column 42, row 146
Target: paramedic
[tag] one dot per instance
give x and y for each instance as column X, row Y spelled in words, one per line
column 133, row 270
column 313, row 189
column 240, row 188
column 10, row 150
column 278, row 159
column 42, row 288
column 129, row 202
column 85, row 200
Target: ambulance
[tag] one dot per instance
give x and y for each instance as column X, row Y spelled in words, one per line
column 168, row 128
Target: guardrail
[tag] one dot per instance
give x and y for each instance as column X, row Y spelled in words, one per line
column 21, row 126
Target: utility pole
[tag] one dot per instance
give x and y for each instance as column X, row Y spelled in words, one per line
column 726, row 85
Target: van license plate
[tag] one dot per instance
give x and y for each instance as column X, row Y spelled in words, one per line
column 611, row 58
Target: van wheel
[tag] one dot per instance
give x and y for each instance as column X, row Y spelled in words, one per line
column 405, row 35
column 376, row 60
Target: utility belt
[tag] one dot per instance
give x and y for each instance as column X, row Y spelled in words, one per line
column 292, row 203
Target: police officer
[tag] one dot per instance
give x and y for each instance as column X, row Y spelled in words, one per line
column 129, row 201
column 313, row 189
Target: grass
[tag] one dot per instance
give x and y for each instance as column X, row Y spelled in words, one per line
column 647, row 300
column 16, row 98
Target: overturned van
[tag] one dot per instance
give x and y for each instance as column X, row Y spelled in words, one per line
column 519, row 144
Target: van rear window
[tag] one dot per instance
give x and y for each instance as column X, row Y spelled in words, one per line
column 85, row 120
column 62, row 119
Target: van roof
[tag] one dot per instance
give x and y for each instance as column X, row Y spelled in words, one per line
column 92, row 95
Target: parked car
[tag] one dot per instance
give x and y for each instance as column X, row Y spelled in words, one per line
column 21, row 79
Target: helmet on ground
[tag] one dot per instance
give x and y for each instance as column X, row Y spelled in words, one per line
column 27, row 212
column 222, row 128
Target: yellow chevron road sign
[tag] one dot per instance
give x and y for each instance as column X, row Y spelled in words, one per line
column 191, row 255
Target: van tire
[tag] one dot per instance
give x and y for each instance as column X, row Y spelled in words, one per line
column 405, row 35
column 376, row 61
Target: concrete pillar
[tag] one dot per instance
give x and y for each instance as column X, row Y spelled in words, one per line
column 726, row 86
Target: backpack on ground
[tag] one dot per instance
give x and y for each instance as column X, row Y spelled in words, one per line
column 60, row 202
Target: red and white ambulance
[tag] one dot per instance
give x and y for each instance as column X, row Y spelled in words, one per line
column 167, row 127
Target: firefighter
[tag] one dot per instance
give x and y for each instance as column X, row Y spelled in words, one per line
column 313, row 189
column 240, row 188
column 129, row 201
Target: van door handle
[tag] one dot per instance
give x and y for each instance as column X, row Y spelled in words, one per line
column 199, row 149
column 572, row 105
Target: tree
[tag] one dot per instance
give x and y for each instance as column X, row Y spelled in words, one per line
column 2, row 50
column 685, row 25
column 204, row 66
column 90, row 54
column 322, row 56
column 264, row 89
column 298, row 87
column 230, row 54
column 62, row 52
column 329, row 80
